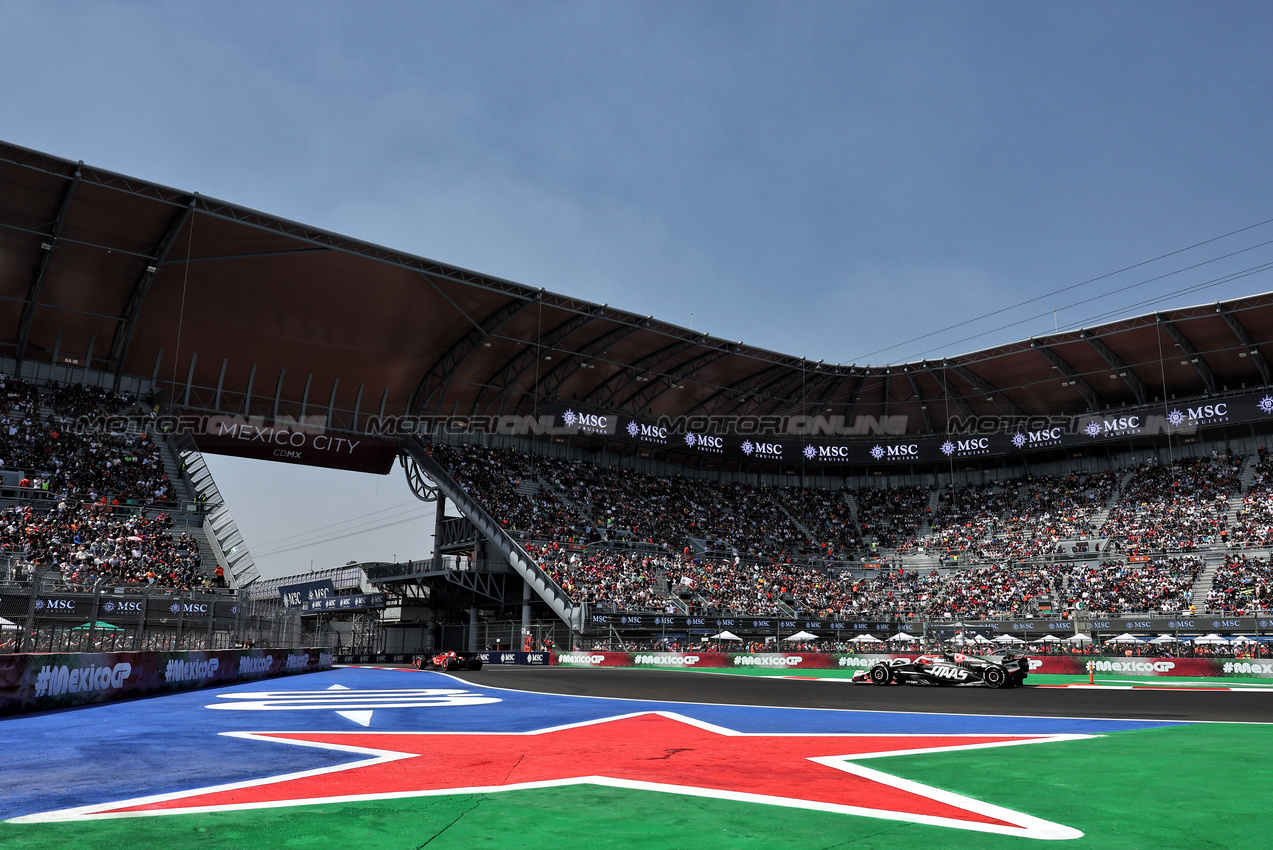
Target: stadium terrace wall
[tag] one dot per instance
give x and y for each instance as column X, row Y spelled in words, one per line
column 1076, row 665
column 39, row 681
column 672, row 625
column 827, row 442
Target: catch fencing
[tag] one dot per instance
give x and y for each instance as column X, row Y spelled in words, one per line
column 44, row 616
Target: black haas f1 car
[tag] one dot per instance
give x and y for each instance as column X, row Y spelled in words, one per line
column 949, row 669
column 450, row 661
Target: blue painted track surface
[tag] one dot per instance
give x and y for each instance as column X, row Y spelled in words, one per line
column 168, row 743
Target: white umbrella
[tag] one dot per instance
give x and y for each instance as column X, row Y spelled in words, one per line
column 1077, row 639
column 903, row 636
column 726, row 636
column 865, row 639
column 8, row 625
column 1166, row 639
column 1126, row 637
column 1210, row 640
column 980, row 639
column 1008, row 639
column 802, row 636
column 1047, row 639
column 1243, row 639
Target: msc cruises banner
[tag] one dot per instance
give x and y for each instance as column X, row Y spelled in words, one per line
column 870, row 442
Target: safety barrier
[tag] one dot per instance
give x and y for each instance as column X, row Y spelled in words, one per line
column 41, row 681
column 1075, row 665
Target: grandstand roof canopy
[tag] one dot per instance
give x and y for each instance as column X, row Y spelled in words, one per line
column 262, row 315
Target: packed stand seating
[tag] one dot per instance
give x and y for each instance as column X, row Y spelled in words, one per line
column 1253, row 526
column 1021, row 517
column 102, row 511
column 492, row 477
column 967, row 518
column 612, row 580
column 1163, row 585
column 1243, row 585
column 1180, row 506
column 994, row 592
column 894, row 515
column 57, row 458
column 90, row 542
column 829, row 519
column 756, row 537
column 613, row 504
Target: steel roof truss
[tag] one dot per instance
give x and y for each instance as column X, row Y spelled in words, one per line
column 1195, row 359
column 46, row 256
column 1119, row 366
column 1244, row 336
column 1094, row 401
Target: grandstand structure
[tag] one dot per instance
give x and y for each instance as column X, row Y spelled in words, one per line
column 619, row 475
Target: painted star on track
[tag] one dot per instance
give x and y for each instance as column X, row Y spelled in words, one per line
column 654, row 751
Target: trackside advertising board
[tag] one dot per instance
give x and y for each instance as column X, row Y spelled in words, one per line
column 1075, row 665
column 536, row 659
column 39, row 681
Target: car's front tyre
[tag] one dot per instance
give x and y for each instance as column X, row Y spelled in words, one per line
column 881, row 674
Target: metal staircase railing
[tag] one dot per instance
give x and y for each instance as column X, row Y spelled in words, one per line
column 510, row 549
column 227, row 543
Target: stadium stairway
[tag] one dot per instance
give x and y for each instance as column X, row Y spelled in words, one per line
column 512, row 551
column 1236, row 499
column 554, row 492
column 1211, row 562
column 926, row 527
column 804, row 529
column 225, row 544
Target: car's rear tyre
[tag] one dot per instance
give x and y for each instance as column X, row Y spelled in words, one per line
column 881, row 674
column 475, row 664
column 996, row 677
column 418, row 662
column 452, row 666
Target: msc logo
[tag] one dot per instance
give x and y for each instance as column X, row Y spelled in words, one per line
column 770, row 449
column 1202, row 413
column 977, row 445
column 895, row 452
column 1117, row 425
column 647, row 432
column 587, row 421
column 829, row 452
column 1224, row 624
column 1140, row 624
column 1044, row 437
column 705, row 441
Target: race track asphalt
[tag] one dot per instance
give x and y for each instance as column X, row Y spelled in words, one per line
column 692, row 686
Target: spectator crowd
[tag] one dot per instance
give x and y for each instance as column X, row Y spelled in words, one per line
column 625, row 539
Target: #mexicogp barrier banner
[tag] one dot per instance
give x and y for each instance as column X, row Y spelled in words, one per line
column 38, row 681
column 1075, row 665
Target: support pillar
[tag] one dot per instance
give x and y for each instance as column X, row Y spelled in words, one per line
column 526, row 592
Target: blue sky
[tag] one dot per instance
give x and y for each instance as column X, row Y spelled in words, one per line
column 824, row 179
